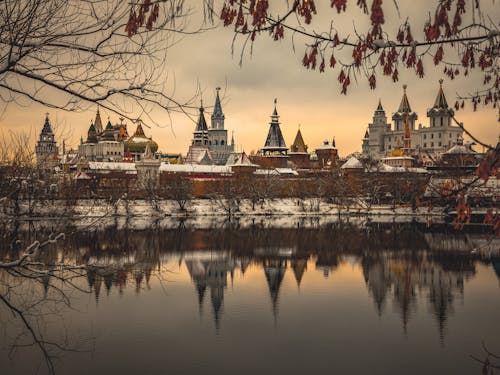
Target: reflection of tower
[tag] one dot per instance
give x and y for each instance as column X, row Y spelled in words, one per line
column 274, row 270
column 378, row 281
column 299, row 267
column 404, row 291
column 210, row 274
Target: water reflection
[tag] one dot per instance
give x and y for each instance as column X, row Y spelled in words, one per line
column 406, row 268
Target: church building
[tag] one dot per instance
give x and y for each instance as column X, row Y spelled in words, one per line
column 381, row 138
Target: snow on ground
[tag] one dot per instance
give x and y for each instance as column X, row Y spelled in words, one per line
column 199, row 209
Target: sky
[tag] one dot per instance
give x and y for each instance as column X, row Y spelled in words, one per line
column 274, row 70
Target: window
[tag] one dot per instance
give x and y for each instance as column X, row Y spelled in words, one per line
column 425, row 136
column 432, row 144
column 450, row 135
column 432, row 135
column 222, row 142
column 439, row 144
column 425, row 145
column 439, row 135
column 441, row 121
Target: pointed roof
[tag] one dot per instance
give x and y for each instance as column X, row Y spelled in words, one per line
column 379, row 107
column 299, row 267
column 201, row 125
column 91, row 134
column 440, row 102
column 299, row 144
column 98, row 122
column 47, row 129
column 109, row 132
column 404, row 107
column 244, row 160
column 352, row 163
column 217, row 107
column 139, row 131
column 367, row 135
column 274, row 271
column 275, row 140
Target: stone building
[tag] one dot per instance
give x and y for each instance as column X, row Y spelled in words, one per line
column 218, row 145
column 46, row 149
column 436, row 138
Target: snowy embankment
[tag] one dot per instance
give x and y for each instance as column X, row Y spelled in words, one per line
column 203, row 208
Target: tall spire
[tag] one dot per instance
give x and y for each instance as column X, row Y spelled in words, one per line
column 98, row 122
column 47, row 129
column 200, row 135
column 201, row 125
column 275, row 140
column 404, row 107
column 299, row 144
column 379, row 107
column 217, row 119
column 440, row 101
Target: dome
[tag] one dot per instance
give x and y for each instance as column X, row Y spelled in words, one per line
column 138, row 142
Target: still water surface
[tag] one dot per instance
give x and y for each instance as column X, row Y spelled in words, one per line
column 345, row 298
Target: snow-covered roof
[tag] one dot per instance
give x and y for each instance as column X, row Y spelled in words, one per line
column 82, row 176
column 326, row 146
column 397, row 158
column 243, row 160
column 139, row 140
column 195, row 168
column 266, row 172
column 382, row 167
column 460, row 149
column 352, row 163
column 115, row 166
column 287, row 171
column 276, row 172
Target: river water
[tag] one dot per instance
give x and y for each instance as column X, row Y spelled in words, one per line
column 346, row 298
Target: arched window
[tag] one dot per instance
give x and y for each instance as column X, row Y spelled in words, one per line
column 222, row 142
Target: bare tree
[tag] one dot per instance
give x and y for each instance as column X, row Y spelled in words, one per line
column 180, row 190
column 69, row 54
column 462, row 36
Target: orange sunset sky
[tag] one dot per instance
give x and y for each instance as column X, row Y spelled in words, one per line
column 274, row 70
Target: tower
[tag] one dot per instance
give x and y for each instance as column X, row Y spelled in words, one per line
column 298, row 151
column 200, row 134
column 440, row 114
column 98, row 123
column 199, row 152
column 46, row 148
column 404, row 114
column 275, row 144
column 217, row 134
column 365, row 147
column 376, row 132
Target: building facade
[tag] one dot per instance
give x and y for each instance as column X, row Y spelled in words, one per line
column 439, row 136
